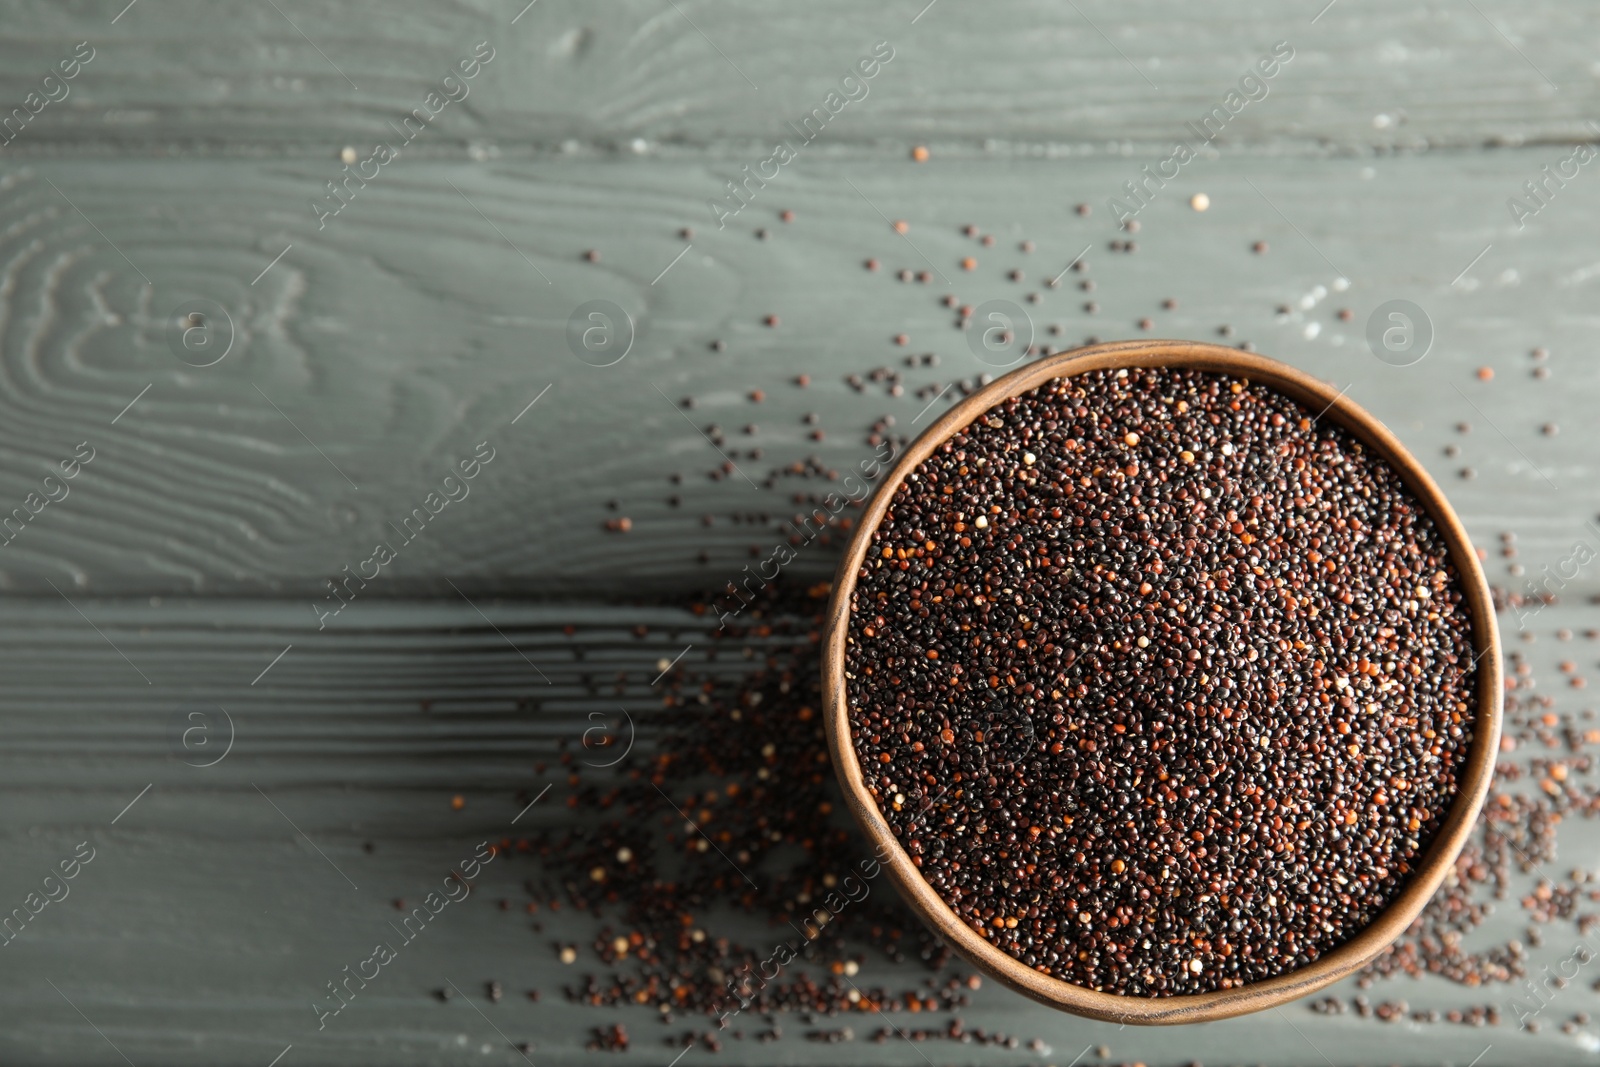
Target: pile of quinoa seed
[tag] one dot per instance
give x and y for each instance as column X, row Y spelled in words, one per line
column 1186, row 672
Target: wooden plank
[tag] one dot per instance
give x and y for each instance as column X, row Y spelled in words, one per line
column 209, row 920
column 1010, row 79
column 372, row 356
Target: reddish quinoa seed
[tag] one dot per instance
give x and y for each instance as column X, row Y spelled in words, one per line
column 1163, row 685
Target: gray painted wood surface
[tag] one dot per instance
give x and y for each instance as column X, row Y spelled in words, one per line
column 383, row 347
column 386, row 348
column 592, row 78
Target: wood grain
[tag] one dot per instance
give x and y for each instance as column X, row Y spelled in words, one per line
column 206, row 923
column 1007, row 80
column 385, row 347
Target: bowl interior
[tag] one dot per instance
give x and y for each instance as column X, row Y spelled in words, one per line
column 1474, row 775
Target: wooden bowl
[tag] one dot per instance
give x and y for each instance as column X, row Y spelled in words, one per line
column 1430, row 870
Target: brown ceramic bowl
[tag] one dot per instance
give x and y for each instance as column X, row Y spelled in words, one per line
column 1434, row 863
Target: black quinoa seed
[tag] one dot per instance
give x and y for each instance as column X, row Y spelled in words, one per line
column 1184, row 675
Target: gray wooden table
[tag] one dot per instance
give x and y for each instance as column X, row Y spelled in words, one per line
column 267, row 387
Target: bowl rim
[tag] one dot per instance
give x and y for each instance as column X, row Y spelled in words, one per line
column 1430, row 869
